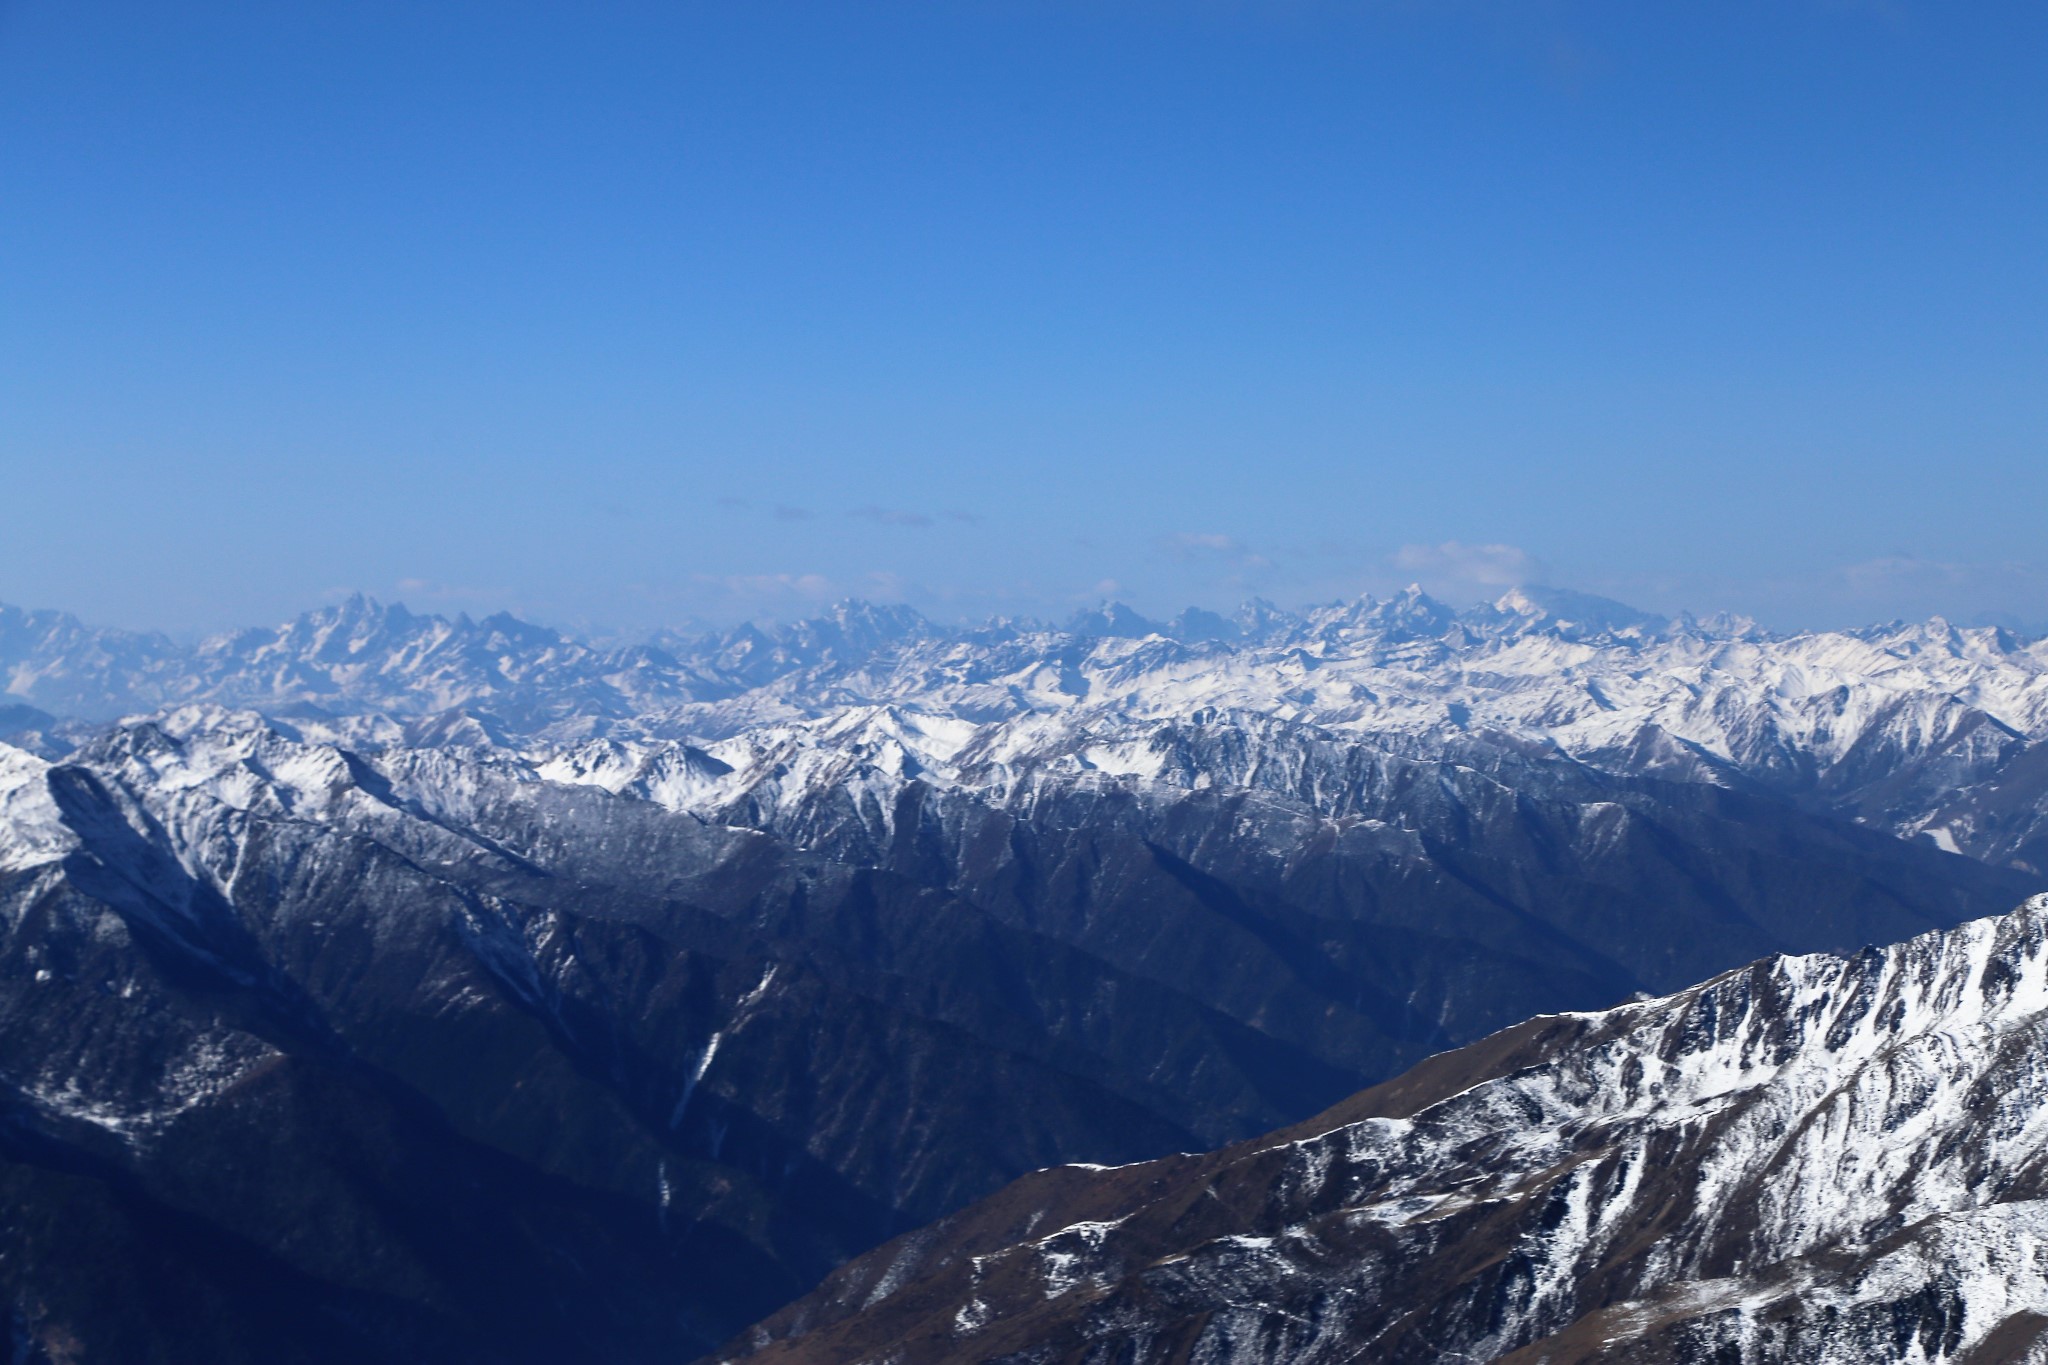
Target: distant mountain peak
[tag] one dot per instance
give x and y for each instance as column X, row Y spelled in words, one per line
column 1574, row 615
column 1112, row 620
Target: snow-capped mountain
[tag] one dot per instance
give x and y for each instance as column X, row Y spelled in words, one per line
column 1811, row 1159
column 1924, row 730
column 460, row 1064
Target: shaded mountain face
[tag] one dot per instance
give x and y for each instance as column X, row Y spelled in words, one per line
column 1809, row 1159
column 482, row 1063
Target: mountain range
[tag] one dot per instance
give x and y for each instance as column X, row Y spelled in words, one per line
column 1886, row 725
column 486, row 995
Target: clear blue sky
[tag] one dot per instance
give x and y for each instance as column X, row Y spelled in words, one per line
column 624, row 313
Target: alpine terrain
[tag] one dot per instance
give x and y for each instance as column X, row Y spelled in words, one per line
column 480, row 993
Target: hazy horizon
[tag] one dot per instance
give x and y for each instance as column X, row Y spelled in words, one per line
column 610, row 636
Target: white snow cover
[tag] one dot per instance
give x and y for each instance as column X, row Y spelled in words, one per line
column 32, row 831
column 1931, row 710
column 1883, row 1109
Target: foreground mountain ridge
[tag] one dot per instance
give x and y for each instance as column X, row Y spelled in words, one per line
column 1812, row 1159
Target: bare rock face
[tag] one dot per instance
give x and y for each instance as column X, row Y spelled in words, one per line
column 1809, row 1159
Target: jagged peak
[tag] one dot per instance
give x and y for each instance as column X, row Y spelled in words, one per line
column 1259, row 618
column 359, row 606
column 1410, row 614
column 849, row 610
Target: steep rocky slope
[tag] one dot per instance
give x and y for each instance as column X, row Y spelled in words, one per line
column 1810, row 1159
column 415, row 1048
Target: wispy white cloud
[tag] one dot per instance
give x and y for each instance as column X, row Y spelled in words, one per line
column 1906, row 585
column 890, row 516
column 768, row 590
column 1214, row 546
column 1892, row 575
column 1453, row 561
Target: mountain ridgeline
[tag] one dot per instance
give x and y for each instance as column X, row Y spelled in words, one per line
column 481, row 994
column 1923, row 729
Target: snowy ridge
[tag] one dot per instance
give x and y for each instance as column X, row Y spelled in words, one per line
column 1812, row 1159
column 1923, row 730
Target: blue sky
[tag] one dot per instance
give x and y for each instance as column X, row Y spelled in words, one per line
column 621, row 314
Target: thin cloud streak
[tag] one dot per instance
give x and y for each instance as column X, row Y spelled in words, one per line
column 1490, row 565
column 890, row 516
